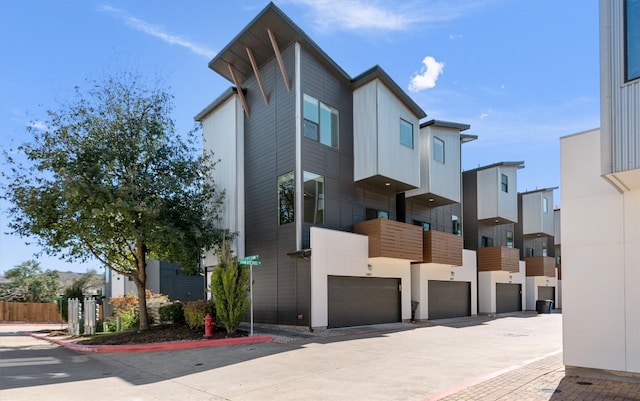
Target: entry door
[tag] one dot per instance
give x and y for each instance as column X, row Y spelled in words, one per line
column 358, row 301
column 508, row 297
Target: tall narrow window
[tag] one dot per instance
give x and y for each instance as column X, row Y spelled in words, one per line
column 406, row 133
column 321, row 121
column 286, row 199
column 509, row 239
column 311, row 117
column 438, row 149
column 313, row 198
column 504, row 183
column 545, row 205
column 632, row 39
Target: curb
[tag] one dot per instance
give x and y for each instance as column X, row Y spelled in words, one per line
column 154, row 347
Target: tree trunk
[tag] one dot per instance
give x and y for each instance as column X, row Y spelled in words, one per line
column 141, row 284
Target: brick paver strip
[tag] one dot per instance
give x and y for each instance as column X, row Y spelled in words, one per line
column 544, row 380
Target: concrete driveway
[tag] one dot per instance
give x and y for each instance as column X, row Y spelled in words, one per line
column 388, row 362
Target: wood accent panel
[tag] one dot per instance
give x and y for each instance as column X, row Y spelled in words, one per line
column 441, row 247
column 559, row 266
column 392, row 239
column 541, row 266
column 498, row 258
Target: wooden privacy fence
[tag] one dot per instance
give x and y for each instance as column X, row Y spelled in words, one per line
column 29, row 312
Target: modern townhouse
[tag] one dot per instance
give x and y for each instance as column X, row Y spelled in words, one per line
column 534, row 236
column 351, row 204
column 600, row 179
column 490, row 213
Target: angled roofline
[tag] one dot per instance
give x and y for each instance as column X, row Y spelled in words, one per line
column 292, row 29
column 376, row 72
column 538, row 190
column 518, row 165
column 215, row 104
column 464, row 138
column 446, row 124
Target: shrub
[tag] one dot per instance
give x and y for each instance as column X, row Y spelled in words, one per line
column 172, row 313
column 126, row 307
column 230, row 288
column 195, row 312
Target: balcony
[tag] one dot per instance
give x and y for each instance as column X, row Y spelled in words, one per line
column 541, row 266
column 499, row 258
column 442, row 248
column 392, row 239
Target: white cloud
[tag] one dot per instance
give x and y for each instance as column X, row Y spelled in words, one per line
column 484, row 115
column 427, row 76
column 157, row 31
column 39, row 125
column 382, row 15
column 453, row 36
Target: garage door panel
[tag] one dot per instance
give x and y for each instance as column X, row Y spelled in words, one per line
column 356, row 301
column 546, row 293
column 449, row 299
column 508, row 297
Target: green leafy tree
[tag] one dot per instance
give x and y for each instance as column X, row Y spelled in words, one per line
column 28, row 283
column 76, row 290
column 109, row 178
column 230, row 288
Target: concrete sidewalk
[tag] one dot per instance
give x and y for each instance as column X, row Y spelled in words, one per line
column 541, row 380
column 513, row 357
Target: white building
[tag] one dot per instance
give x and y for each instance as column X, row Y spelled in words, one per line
column 601, row 213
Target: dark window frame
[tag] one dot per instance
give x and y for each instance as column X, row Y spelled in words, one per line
column 504, row 183
column 318, row 214
column 317, row 121
column 286, row 198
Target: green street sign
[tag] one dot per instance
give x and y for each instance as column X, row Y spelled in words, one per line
column 250, row 262
column 251, row 257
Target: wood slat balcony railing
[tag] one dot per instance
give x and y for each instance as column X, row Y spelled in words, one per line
column 540, row 266
column 392, row 239
column 498, row 258
column 442, row 248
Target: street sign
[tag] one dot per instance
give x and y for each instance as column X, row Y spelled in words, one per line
column 251, row 257
column 250, row 262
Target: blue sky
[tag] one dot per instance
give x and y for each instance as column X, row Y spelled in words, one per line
column 522, row 73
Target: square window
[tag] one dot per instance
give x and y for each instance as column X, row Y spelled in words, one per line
column 406, row 133
column 438, row 149
column 321, row 121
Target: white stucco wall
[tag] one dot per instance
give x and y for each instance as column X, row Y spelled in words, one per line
column 487, row 287
column 600, row 262
column 339, row 253
column 422, row 273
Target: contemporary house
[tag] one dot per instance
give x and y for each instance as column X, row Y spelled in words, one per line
column 534, row 235
column 162, row 278
column 490, row 214
column 600, row 178
column 350, row 202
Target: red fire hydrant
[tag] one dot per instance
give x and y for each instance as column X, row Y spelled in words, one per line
column 209, row 324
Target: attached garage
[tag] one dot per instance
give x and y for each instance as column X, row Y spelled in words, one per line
column 508, row 297
column 449, row 299
column 546, row 293
column 358, row 301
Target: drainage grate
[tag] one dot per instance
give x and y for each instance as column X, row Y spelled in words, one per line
column 584, row 383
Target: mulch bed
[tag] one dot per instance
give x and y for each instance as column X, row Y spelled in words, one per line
column 156, row 334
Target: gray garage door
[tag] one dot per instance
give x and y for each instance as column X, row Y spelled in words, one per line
column 449, row 299
column 508, row 297
column 357, row 301
column 547, row 293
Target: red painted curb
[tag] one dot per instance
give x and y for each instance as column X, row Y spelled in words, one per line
column 154, row 347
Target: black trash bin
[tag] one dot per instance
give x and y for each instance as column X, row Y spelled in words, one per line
column 544, row 305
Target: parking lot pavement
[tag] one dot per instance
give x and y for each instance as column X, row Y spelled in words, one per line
column 480, row 358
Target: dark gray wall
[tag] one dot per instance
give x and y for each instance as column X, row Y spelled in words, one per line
column 179, row 286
